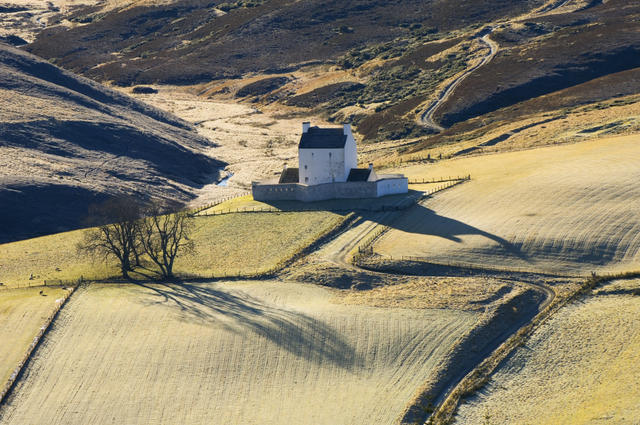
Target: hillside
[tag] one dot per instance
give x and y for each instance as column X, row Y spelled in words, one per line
column 379, row 65
column 197, row 41
column 67, row 142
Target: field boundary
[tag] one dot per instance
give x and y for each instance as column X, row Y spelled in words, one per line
column 490, row 332
column 194, row 211
column 373, row 261
column 440, row 180
column 17, row 373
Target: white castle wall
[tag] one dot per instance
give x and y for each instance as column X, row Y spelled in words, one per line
column 318, row 166
column 321, row 192
column 350, row 151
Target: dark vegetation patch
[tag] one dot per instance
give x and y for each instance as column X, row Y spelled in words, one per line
column 604, row 92
column 187, row 42
column 324, row 94
column 509, row 36
column 12, row 8
column 399, row 90
column 13, row 40
column 144, row 90
column 418, row 56
column 262, row 87
column 392, row 124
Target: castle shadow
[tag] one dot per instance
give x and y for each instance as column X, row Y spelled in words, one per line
column 424, row 221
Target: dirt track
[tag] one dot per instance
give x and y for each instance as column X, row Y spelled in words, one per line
column 427, row 116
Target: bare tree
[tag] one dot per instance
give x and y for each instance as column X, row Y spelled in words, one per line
column 162, row 236
column 118, row 239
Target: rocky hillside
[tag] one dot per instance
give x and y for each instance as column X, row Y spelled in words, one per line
column 199, row 40
column 395, row 57
column 67, row 142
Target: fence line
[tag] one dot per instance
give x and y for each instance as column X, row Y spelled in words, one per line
column 382, row 258
column 45, row 283
column 197, row 210
column 440, row 180
column 450, row 182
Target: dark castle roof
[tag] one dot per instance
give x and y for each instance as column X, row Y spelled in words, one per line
column 289, row 175
column 359, row 175
column 323, row 138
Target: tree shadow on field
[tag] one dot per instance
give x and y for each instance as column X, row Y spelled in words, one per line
column 296, row 332
column 424, row 221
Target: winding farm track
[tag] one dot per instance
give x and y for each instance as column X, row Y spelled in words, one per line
column 426, row 118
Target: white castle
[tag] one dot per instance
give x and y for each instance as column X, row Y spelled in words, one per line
column 328, row 169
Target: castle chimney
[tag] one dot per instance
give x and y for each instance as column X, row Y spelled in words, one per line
column 286, row 166
column 371, row 165
column 346, row 128
column 305, row 126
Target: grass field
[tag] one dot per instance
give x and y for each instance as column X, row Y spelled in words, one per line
column 22, row 313
column 231, row 353
column 248, row 243
column 48, row 257
column 580, row 367
column 224, row 244
column 565, row 209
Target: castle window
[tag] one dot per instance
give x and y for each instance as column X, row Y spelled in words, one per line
column 306, row 179
column 305, row 167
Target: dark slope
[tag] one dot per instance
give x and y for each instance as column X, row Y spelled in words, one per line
column 66, row 142
column 188, row 42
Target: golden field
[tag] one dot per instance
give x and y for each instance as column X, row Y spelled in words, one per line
column 567, row 209
column 251, row 243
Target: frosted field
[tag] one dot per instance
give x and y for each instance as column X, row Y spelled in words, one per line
column 231, row 353
column 22, row 313
column 580, row 367
column 568, row 209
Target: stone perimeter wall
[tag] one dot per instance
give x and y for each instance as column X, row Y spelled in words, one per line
column 321, row 192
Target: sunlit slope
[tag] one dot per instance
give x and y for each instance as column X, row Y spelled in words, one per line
column 578, row 368
column 232, row 353
column 565, row 209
